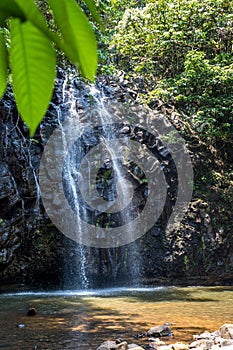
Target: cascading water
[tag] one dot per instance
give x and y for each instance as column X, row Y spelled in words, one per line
column 123, row 187
column 110, row 264
column 112, row 174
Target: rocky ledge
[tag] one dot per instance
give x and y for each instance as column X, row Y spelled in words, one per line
column 220, row 339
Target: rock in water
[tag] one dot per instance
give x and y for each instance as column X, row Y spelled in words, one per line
column 111, row 345
column 159, row 331
column 31, row 311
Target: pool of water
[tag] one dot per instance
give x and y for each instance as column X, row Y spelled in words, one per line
column 81, row 320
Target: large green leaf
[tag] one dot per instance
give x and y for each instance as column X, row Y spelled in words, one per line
column 3, row 17
column 79, row 39
column 33, row 14
column 92, row 7
column 3, row 65
column 10, row 8
column 33, row 63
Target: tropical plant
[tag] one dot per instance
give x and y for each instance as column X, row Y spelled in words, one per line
column 28, row 47
column 182, row 52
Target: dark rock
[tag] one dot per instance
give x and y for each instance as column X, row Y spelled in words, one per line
column 32, row 311
column 159, row 331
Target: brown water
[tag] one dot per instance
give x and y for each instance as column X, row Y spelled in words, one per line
column 82, row 320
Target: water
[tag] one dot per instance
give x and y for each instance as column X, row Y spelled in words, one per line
column 82, row 319
column 128, row 262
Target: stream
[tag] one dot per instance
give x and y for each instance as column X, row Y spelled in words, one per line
column 84, row 319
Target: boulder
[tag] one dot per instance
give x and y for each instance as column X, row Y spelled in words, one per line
column 205, row 344
column 108, row 345
column 206, row 335
column 31, row 311
column 154, row 345
column 157, row 341
column 226, row 331
column 134, row 347
column 159, row 331
column 112, row 345
column 179, row 346
column 122, row 346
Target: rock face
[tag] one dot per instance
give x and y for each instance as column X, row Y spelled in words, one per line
column 34, row 253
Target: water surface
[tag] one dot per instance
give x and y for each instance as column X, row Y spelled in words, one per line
column 83, row 319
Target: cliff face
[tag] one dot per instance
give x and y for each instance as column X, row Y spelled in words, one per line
column 33, row 252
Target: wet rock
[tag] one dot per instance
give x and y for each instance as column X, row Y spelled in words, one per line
column 206, row 335
column 134, row 347
column 112, row 345
column 107, row 345
column 31, row 311
column 179, row 346
column 157, row 341
column 154, row 345
column 160, row 331
column 202, row 343
column 226, row 331
column 122, row 346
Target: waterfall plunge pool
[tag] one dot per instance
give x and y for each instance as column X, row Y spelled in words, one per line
column 83, row 319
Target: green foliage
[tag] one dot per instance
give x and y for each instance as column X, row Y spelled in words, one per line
column 33, row 46
column 111, row 12
column 182, row 51
column 33, row 80
column 3, row 64
column 204, row 92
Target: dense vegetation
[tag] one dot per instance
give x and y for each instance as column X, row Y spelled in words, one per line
column 182, row 51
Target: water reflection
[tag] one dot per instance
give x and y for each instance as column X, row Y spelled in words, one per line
column 83, row 319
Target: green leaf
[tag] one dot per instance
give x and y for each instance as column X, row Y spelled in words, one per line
column 9, row 8
column 79, row 39
column 33, row 64
column 3, row 17
column 92, row 7
column 33, row 14
column 3, row 65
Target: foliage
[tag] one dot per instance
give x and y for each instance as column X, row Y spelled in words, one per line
column 204, row 91
column 31, row 43
column 111, row 12
column 182, row 50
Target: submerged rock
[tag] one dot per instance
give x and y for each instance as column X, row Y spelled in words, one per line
column 32, row 311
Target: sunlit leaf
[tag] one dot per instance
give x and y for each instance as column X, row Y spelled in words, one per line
column 32, row 13
column 79, row 38
column 92, row 7
column 3, row 64
column 33, row 62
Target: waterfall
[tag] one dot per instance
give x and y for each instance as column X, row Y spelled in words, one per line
column 110, row 173
column 100, row 193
